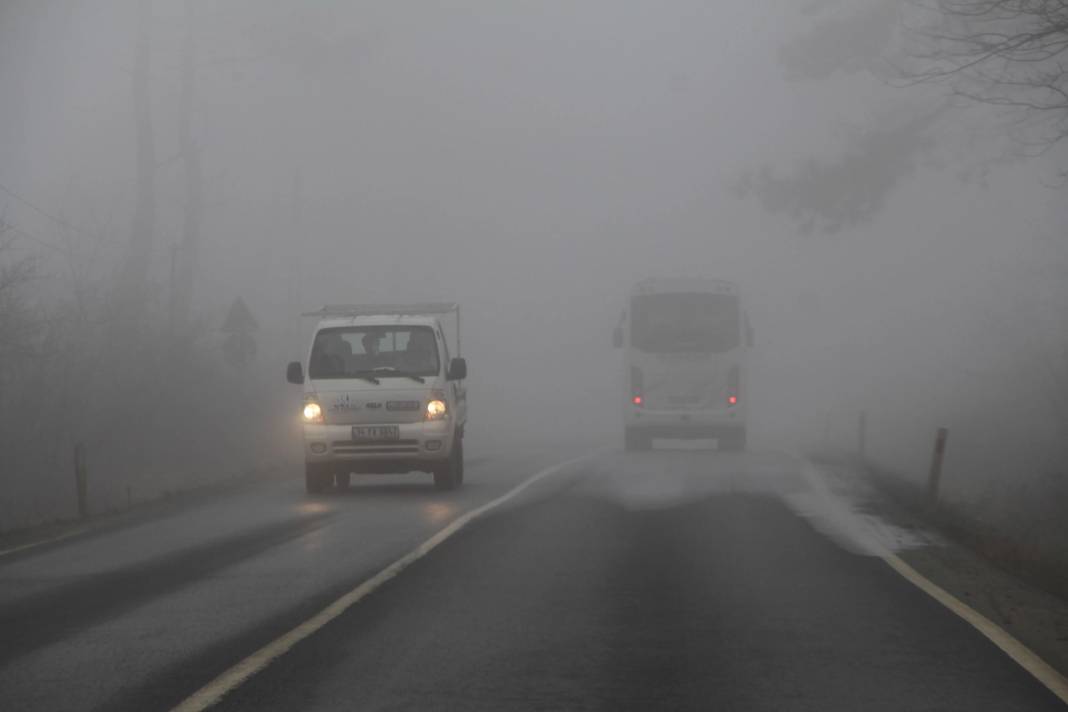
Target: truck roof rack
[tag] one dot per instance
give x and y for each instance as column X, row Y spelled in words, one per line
column 385, row 309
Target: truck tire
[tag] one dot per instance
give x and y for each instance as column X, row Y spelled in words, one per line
column 342, row 479
column 318, row 476
column 460, row 468
column 449, row 475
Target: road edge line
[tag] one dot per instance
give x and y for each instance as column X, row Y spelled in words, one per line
column 235, row 676
column 1020, row 653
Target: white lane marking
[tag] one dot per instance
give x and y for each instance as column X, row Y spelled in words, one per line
column 1024, row 656
column 869, row 535
column 872, row 536
column 35, row 544
column 237, row 675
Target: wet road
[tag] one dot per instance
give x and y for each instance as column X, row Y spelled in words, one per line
column 137, row 617
column 665, row 579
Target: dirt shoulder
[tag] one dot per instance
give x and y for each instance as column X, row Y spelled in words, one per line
column 1035, row 616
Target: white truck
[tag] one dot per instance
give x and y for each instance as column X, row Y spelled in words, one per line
column 382, row 394
column 685, row 343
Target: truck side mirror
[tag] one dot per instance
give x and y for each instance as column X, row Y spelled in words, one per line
column 457, row 369
column 295, row 372
column 617, row 337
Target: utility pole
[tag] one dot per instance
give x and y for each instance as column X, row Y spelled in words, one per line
column 194, row 178
column 296, row 219
column 172, row 295
column 862, row 435
column 142, row 228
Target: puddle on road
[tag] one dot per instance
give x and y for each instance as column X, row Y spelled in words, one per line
column 842, row 519
column 667, row 478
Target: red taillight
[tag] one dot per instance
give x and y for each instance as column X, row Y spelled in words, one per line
column 637, row 400
column 733, row 383
column 636, row 389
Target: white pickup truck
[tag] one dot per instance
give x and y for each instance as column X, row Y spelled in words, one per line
column 382, row 395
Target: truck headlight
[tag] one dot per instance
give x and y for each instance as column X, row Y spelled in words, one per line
column 436, row 409
column 313, row 412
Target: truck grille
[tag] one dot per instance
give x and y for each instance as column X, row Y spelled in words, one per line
column 348, row 447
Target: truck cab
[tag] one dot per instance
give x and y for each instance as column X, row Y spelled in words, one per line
column 382, row 394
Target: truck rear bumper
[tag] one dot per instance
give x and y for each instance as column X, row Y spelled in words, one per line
column 684, row 423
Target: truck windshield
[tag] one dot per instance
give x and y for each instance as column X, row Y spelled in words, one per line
column 381, row 351
column 685, row 322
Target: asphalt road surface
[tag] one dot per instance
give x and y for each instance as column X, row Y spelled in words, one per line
column 657, row 580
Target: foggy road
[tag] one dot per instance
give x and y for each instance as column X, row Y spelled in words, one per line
column 664, row 579
column 248, row 250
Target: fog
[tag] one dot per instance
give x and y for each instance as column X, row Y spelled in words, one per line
column 531, row 161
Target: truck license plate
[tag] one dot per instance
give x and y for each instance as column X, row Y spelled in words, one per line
column 363, row 433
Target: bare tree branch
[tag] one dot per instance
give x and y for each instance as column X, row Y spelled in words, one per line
column 1006, row 53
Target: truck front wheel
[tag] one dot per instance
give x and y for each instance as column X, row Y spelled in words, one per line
column 342, row 479
column 449, row 475
column 318, row 476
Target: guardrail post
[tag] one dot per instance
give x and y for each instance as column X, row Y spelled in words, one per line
column 81, row 477
column 934, row 477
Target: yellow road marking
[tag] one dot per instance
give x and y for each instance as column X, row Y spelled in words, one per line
column 237, row 675
column 1024, row 656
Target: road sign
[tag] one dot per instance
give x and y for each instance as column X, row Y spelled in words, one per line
column 239, row 349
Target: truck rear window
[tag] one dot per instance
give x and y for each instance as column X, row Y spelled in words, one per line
column 685, row 322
